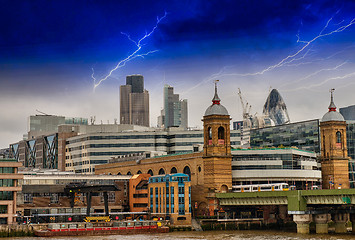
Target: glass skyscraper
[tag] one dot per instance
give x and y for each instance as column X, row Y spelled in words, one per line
column 175, row 110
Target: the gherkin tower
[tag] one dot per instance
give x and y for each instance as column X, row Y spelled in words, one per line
column 275, row 108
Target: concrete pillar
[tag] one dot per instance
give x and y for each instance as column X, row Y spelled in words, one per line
column 321, row 221
column 340, row 220
column 352, row 219
column 302, row 221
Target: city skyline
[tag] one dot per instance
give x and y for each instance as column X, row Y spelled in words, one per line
column 48, row 51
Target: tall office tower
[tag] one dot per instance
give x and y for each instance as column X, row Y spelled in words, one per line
column 275, row 108
column 134, row 102
column 175, row 110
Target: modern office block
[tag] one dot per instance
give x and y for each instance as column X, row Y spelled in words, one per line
column 170, row 198
column 303, row 135
column 175, row 110
column 276, row 165
column 134, row 102
column 48, row 124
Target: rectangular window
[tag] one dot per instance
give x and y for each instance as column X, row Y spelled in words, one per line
column 156, row 200
column 190, row 199
column 167, row 198
column 27, row 198
column 140, row 205
column 112, row 197
column 172, row 199
column 151, row 199
column 181, row 190
column 54, row 198
column 3, row 209
column 140, row 195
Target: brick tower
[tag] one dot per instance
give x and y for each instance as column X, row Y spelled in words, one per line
column 217, row 156
column 334, row 154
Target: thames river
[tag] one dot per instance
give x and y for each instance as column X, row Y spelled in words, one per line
column 208, row 235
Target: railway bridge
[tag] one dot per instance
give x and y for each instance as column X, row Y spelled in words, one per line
column 305, row 206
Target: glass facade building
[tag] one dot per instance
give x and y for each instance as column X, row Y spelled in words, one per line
column 175, row 110
column 348, row 112
column 350, row 139
column 275, row 165
column 303, row 135
column 48, row 124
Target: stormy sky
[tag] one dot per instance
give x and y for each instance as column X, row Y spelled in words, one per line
column 49, row 51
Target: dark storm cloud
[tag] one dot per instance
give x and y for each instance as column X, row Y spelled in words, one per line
column 251, row 19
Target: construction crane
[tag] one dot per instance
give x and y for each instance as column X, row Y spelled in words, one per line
column 246, row 107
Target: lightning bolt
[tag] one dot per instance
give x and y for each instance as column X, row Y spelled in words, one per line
column 294, row 56
column 308, row 87
column 135, row 54
column 314, row 74
column 290, row 57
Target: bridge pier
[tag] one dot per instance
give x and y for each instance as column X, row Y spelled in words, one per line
column 321, row 221
column 340, row 220
column 302, row 221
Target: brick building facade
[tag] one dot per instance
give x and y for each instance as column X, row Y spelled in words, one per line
column 210, row 171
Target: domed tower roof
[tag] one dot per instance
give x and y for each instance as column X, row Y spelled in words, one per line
column 216, row 108
column 332, row 114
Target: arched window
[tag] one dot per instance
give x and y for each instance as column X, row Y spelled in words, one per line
column 209, row 139
column 224, row 189
column 119, row 173
column 150, row 172
column 129, row 173
column 221, row 133
column 338, row 137
column 173, row 170
column 161, row 171
column 187, row 171
column 139, row 172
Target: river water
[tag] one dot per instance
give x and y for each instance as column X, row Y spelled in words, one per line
column 208, row 235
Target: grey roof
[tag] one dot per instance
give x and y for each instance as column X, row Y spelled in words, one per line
column 332, row 116
column 216, row 109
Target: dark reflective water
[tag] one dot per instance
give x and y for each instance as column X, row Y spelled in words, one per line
column 208, row 235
